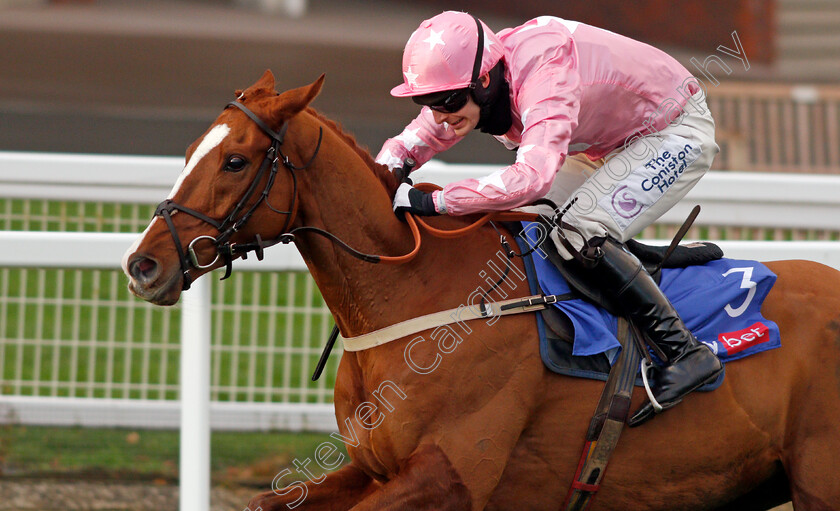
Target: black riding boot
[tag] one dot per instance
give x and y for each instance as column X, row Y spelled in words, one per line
column 689, row 363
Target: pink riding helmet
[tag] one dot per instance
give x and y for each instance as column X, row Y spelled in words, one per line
column 441, row 53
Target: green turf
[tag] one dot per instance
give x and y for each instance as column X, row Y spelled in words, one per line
column 125, row 453
column 56, row 306
column 95, row 309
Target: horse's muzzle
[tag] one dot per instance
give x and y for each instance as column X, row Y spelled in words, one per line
column 148, row 281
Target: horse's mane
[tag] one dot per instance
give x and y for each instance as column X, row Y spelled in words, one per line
column 386, row 177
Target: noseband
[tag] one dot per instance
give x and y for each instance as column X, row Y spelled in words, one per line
column 239, row 216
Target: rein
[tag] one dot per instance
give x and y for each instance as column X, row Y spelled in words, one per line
column 236, row 219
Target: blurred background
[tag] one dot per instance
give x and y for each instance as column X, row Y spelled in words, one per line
column 121, row 77
column 128, row 77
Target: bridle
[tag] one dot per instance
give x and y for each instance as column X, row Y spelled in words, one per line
column 239, row 216
column 233, row 222
column 236, row 219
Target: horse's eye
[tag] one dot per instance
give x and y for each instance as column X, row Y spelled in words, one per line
column 235, row 163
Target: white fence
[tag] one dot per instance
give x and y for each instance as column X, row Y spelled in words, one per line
column 104, row 251
column 254, row 359
column 728, row 199
column 194, row 411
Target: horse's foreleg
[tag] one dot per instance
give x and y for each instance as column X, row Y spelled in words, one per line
column 338, row 491
column 427, row 482
column 811, row 470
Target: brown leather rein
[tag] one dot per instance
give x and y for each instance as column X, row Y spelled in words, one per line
column 499, row 216
column 227, row 251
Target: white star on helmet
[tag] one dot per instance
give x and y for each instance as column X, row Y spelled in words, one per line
column 411, row 77
column 434, row 39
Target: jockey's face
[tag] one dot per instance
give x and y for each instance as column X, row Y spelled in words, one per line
column 463, row 121
column 466, row 119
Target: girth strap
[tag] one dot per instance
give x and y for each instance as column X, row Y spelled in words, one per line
column 447, row 317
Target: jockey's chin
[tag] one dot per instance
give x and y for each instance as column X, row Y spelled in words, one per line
column 463, row 121
column 462, row 126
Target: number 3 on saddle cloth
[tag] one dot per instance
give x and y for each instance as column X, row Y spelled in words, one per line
column 719, row 301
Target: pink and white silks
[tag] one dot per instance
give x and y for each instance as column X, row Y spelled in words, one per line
column 574, row 89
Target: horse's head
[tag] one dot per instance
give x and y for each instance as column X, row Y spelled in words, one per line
column 222, row 194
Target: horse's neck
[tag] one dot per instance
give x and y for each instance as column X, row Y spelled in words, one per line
column 350, row 202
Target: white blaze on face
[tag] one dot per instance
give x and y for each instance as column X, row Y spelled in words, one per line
column 213, row 138
column 133, row 248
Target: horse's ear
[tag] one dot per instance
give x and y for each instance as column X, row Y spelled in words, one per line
column 266, row 81
column 295, row 100
column 264, row 85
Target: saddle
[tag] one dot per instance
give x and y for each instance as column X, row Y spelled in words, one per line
column 653, row 259
column 612, row 409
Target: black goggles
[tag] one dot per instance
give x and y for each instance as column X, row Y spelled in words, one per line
column 448, row 102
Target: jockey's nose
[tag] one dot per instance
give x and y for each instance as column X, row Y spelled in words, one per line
column 439, row 117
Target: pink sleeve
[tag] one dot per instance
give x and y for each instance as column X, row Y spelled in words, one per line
column 549, row 104
column 422, row 139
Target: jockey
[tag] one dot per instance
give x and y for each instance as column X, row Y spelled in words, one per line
column 634, row 121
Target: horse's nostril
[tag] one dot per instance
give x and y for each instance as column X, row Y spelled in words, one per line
column 143, row 269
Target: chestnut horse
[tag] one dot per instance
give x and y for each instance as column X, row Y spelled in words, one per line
column 484, row 425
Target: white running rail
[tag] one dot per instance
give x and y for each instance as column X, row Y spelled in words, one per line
column 728, row 198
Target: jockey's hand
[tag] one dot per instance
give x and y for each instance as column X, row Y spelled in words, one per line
column 411, row 200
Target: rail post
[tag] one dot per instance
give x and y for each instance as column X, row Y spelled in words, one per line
column 194, row 468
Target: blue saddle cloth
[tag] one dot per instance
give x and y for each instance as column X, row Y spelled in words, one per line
column 720, row 302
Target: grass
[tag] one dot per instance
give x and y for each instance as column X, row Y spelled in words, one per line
column 82, row 329
column 80, row 333
column 252, row 458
